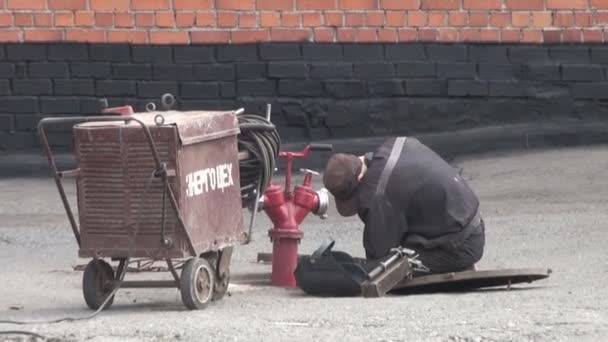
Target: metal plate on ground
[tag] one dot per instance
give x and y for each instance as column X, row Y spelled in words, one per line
column 469, row 280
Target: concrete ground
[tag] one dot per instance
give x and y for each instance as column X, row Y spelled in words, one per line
column 543, row 209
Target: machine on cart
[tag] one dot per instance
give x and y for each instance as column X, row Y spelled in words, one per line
column 163, row 186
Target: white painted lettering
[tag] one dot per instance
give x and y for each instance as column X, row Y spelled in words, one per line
column 209, row 179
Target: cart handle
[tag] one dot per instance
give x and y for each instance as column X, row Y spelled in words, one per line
column 56, row 174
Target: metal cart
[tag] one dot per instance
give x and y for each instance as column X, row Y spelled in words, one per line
column 158, row 185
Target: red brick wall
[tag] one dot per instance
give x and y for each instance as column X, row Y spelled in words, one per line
column 239, row 21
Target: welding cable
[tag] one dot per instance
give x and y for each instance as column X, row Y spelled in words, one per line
column 261, row 139
column 143, row 199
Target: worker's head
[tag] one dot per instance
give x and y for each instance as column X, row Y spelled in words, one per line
column 342, row 176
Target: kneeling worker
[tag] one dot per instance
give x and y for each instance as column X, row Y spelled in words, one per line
column 408, row 196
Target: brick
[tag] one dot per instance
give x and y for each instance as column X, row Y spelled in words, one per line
column 156, row 89
column 324, row 52
column 366, row 35
column 185, row 19
column 10, row 36
column 552, row 36
column 542, row 19
column 110, row 5
column 567, row 4
column 274, row 5
column 440, row 4
column 345, row 88
column 131, row 71
column 248, row 20
column 169, row 37
column 357, row 4
column 150, row 4
column 91, row 70
column 172, row 72
column 210, row 37
column 116, row 88
column 582, row 72
column 541, row 72
column 18, row 105
column 151, row 54
column 346, row 35
column 28, row 52
column 528, row 54
column 249, row 36
column 417, row 18
column 232, row 53
column 437, row 19
column 127, row 36
column 42, row 35
column 482, row 4
column 290, row 19
column 59, row 105
column 214, row 72
column 405, row 52
column 205, row 19
column 499, row 71
column 395, row 18
column 193, row 54
column 599, row 54
column 386, row 88
column 7, row 123
column 21, row 70
column 506, row 89
column 68, row 52
column 570, row 54
column 287, row 70
column 426, row 87
column 235, row 4
column 48, row 70
column 387, row 35
column 500, row 19
column 437, row 52
column 32, row 87
column 583, row 19
column 565, row 19
column 84, row 18
column 65, row 19
column 331, row 70
column 373, row 70
column 7, row 70
column 479, row 19
column 300, row 88
column 357, row 52
column 280, row 51
column 458, row 18
column 23, row 19
column 193, row 4
column 103, row 19
column 227, row 89
column 456, row 70
column 354, row 19
column 415, row 69
column 525, row 4
column 256, row 88
column 427, row 35
column 110, row 53
column 290, row 35
column 5, row 87
column 599, row 4
column 335, row 19
column 315, row 4
column 312, row 19
column 6, row 20
column 374, row 18
column 26, row 122
column 250, row 70
column 74, row 87
column 467, row 88
column 270, row 19
column 165, row 19
column 399, row 4
column 489, row 54
column 573, row 36
column 520, row 19
column 324, row 35
column 590, row 91
column 25, row 4
column 144, row 19
column 124, row 19
column 593, row 36
column 531, row 36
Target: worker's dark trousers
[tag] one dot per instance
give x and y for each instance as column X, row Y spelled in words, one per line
column 446, row 258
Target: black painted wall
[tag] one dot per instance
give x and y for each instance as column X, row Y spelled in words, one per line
column 317, row 91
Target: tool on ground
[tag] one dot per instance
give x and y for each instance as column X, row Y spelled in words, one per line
column 389, row 273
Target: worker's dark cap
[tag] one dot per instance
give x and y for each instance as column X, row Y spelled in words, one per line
column 341, row 179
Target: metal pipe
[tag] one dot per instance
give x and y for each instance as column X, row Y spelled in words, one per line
column 149, row 284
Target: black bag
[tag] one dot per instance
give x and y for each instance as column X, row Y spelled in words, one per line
column 331, row 273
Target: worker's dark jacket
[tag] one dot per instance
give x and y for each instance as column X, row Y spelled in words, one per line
column 424, row 196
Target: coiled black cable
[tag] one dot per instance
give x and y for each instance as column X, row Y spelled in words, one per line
column 260, row 138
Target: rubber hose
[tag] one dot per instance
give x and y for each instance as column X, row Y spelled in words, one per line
column 261, row 139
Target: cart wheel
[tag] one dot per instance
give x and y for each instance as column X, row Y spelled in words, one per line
column 96, row 283
column 221, row 286
column 197, row 283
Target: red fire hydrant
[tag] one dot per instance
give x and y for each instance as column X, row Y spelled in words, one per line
column 287, row 210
